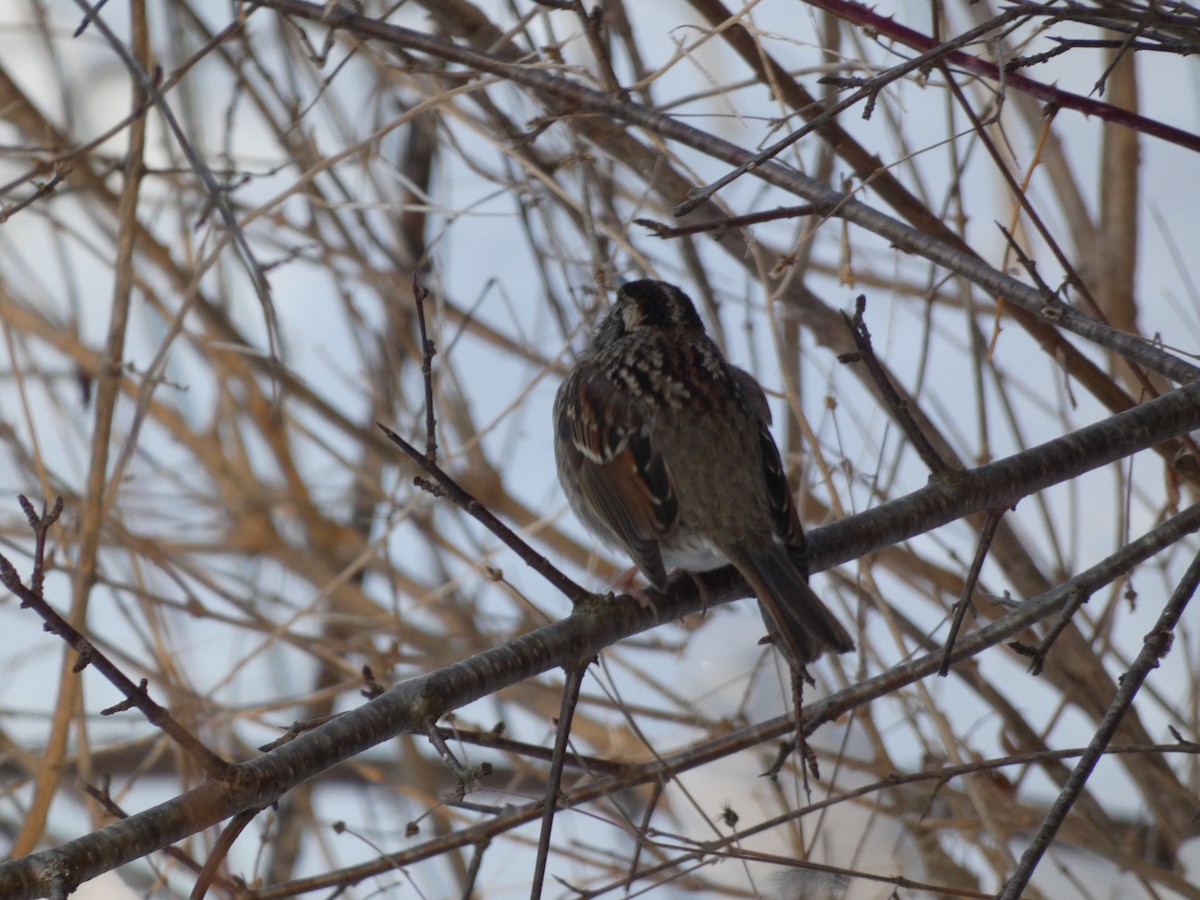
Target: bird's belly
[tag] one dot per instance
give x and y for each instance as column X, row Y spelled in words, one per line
column 690, row 552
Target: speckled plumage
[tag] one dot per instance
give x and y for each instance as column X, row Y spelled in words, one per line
column 664, row 450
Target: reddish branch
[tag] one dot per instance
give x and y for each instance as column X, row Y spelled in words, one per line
column 889, row 27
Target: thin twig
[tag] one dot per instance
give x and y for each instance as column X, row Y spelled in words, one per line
column 220, row 851
column 656, row 792
column 103, row 796
column 566, row 713
column 898, row 407
column 1039, row 653
column 427, row 353
column 448, row 757
column 593, row 27
column 1099, row 87
column 43, row 189
column 869, row 91
column 990, row 523
column 720, row 226
column 494, row 741
column 449, row 488
column 468, row 891
column 1154, row 647
column 150, row 85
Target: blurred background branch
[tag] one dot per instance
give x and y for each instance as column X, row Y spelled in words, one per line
column 211, row 218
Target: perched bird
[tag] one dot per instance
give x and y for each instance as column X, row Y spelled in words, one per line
column 664, row 450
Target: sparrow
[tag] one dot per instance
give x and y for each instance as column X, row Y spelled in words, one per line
column 664, row 451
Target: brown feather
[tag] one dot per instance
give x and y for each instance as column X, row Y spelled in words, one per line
column 665, row 450
column 624, row 488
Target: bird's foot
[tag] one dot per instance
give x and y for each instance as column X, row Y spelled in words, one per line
column 625, row 583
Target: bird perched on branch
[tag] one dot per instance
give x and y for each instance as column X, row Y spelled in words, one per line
column 664, row 450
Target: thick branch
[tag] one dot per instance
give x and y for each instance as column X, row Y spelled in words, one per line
column 414, row 704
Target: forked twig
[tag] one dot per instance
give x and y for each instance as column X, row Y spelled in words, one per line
column 865, row 354
column 445, row 486
column 135, row 695
column 1039, row 653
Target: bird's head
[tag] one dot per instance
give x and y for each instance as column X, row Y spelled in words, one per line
column 655, row 304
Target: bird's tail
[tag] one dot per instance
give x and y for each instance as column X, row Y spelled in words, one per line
column 800, row 624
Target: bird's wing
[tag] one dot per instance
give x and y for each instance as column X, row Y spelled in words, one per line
column 622, row 478
column 801, row 624
column 784, row 518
